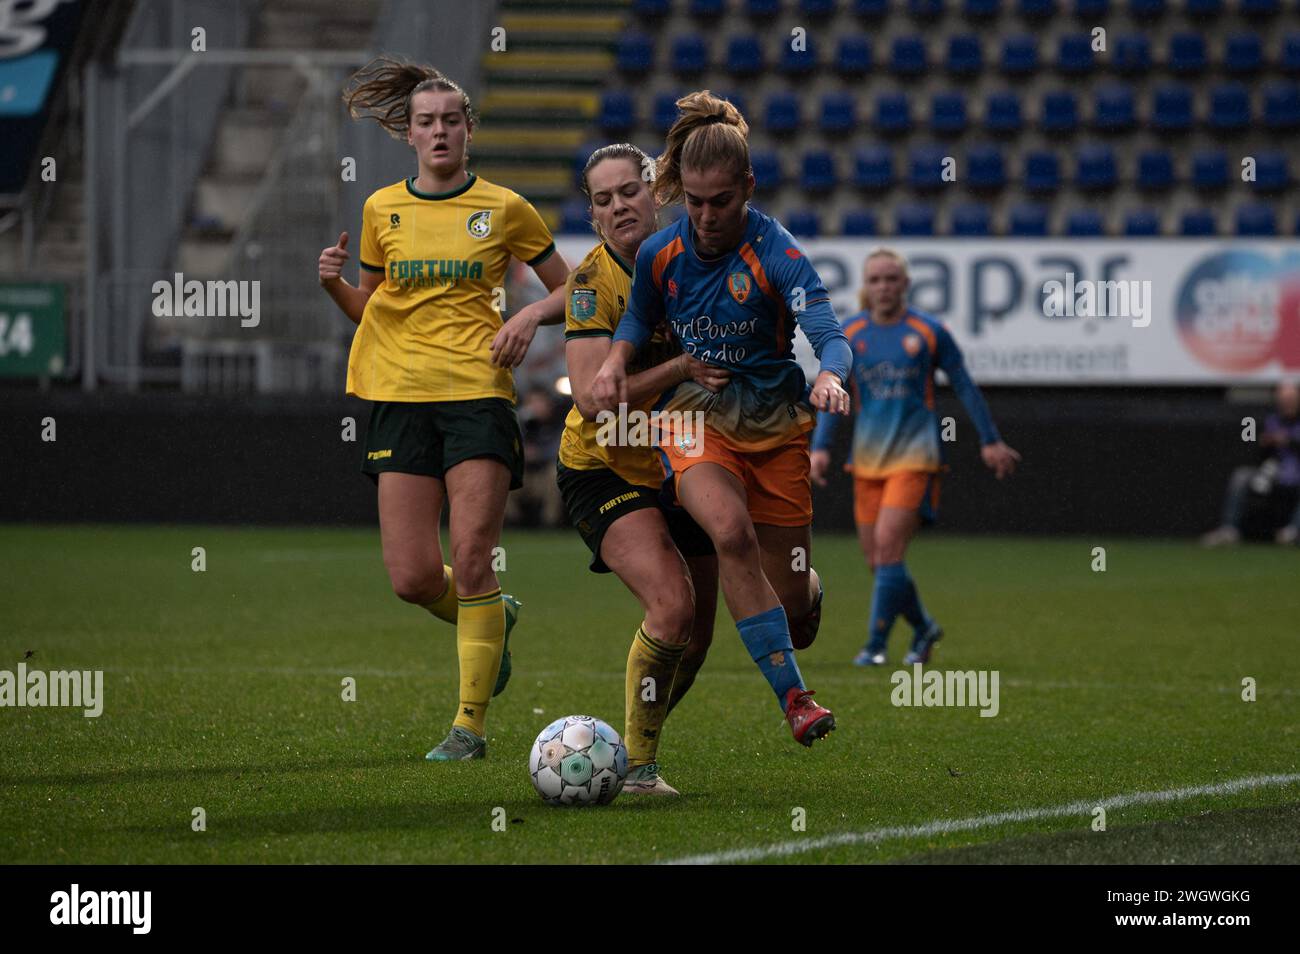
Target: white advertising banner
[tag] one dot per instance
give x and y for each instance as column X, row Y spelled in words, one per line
column 1062, row 311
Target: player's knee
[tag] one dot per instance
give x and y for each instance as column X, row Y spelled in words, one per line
column 472, row 563
column 671, row 615
column 416, row 584
column 734, row 538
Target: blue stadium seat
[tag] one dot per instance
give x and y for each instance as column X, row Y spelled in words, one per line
column 1256, row 218
column 1074, row 54
column 652, row 9
column 1271, row 172
column 664, row 111
column 948, row 112
column 782, row 114
column 762, row 9
column 1084, row 223
column 971, row 219
column 1036, row 9
column 1187, row 53
column 580, row 157
column 816, row 8
column 1172, row 109
column 617, row 112
column 1229, row 107
column 870, row 9
column 739, row 100
column 907, row 56
column 853, row 56
column 1042, row 172
column 573, row 218
column 768, row 174
column 925, row 164
column 1258, row 8
column 1114, row 109
column 1019, row 55
column 1203, row 9
column 1210, row 169
column 965, row 55
column 873, row 168
column 1281, row 105
column 1198, row 222
column 1146, row 9
column 839, row 113
column 985, row 167
column 1132, row 53
column 1142, row 223
column 635, row 53
column 1096, row 168
column 708, row 9
column 859, row 222
column 925, row 9
column 744, row 56
column 1155, row 170
column 1288, row 60
column 1060, row 112
column 1243, row 53
column 1091, row 9
column 980, row 9
column 1027, row 219
column 818, row 173
column 914, row 218
column 799, row 62
column 893, row 112
column 1002, row 112
column 690, row 55
column 804, row 223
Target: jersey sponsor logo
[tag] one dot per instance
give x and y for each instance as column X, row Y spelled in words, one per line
column 672, row 288
column 582, row 303
column 912, row 345
column 394, row 220
column 379, row 455
column 739, row 285
column 479, row 224
column 431, row 272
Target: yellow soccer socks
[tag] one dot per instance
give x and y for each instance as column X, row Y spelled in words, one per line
column 651, row 668
column 480, row 638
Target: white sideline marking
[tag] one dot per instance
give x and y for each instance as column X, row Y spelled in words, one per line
column 946, row 825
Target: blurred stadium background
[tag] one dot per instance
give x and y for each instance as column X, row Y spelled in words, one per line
column 129, row 157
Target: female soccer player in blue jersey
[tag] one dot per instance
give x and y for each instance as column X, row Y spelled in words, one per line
column 897, row 454
column 730, row 283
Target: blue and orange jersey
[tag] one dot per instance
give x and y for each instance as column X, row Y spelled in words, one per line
column 738, row 312
column 896, row 426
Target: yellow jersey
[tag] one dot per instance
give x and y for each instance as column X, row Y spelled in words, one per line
column 426, row 332
column 595, row 297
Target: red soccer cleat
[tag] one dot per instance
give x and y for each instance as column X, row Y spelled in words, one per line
column 808, row 721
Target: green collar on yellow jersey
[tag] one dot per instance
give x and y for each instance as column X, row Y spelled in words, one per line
column 410, row 187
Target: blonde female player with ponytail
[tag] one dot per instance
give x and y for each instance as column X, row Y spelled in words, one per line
column 432, row 354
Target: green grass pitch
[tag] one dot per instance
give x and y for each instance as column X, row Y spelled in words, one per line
column 223, row 691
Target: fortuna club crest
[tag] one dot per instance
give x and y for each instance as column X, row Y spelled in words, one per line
column 479, row 224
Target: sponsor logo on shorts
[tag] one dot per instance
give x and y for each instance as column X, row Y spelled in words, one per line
column 621, row 498
column 379, row 455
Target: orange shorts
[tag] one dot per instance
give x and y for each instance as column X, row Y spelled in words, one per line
column 907, row 489
column 777, row 483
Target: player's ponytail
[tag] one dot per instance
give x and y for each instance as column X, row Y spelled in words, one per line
column 710, row 133
column 382, row 90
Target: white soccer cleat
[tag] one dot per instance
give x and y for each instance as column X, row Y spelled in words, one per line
column 645, row 780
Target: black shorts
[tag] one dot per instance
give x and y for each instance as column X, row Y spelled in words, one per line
column 431, row 437
column 594, row 499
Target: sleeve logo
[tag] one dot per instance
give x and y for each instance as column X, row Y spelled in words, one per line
column 479, row 225
column 582, row 304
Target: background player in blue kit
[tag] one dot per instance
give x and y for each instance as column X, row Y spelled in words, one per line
column 897, row 454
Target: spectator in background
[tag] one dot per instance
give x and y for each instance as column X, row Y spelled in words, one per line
column 1275, row 479
column 538, row 503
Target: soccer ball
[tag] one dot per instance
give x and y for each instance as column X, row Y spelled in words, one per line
column 578, row 760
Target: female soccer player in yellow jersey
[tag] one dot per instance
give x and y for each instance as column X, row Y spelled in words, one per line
column 432, row 354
